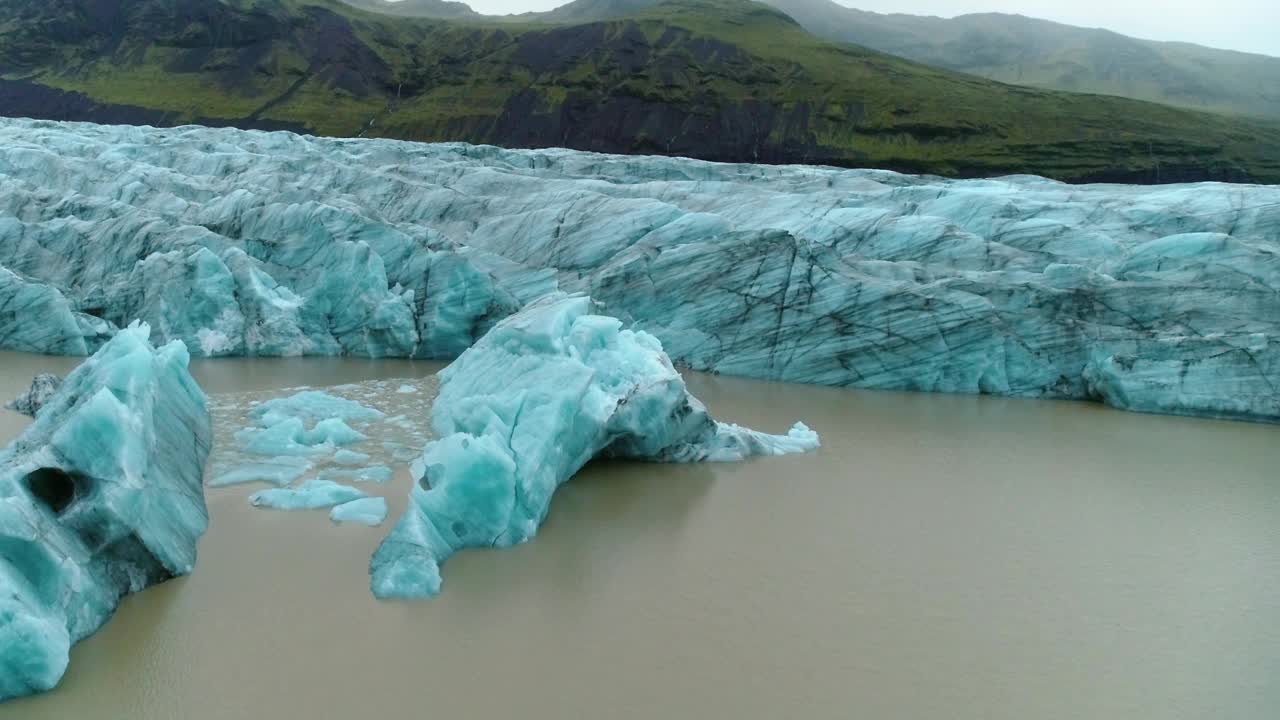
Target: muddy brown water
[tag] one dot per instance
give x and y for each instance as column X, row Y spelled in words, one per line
column 940, row 557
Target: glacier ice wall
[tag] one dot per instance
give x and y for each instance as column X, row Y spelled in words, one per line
column 1161, row 299
column 100, row 497
column 525, row 408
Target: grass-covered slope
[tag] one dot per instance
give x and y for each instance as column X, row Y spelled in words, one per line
column 1028, row 51
column 716, row 79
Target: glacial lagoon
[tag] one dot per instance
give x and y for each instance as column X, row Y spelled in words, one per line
column 939, row 556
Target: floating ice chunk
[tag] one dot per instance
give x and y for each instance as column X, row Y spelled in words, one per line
column 370, row 511
column 350, row 457
column 333, row 431
column 521, row 411
column 100, row 497
column 312, row 406
column 407, row 390
column 310, row 495
column 43, row 387
column 401, row 453
column 277, row 471
column 376, row 474
column 287, row 437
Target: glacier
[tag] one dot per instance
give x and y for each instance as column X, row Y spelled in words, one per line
column 100, row 497
column 1157, row 299
column 541, row 394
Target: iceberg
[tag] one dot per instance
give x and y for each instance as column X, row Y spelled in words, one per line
column 43, row 388
column 544, row 392
column 1158, row 299
column 365, row 511
column 310, row 495
column 99, row 498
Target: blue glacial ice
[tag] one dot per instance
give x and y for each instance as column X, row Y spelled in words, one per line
column 370, row 511
column 100, row 497
column 373, row 474
column 310, row 495
column 524, row 409
column 1162, row 299
column 280, row 425
column 313, row 406
column 280, row 470
column 350, row 457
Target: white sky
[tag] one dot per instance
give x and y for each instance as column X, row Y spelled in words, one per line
column 1249, row 25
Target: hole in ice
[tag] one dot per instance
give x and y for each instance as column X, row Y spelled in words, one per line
column 55, row 488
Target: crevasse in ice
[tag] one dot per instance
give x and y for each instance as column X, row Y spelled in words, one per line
column 100, row 497
column 520, row 412
column 1163, row 299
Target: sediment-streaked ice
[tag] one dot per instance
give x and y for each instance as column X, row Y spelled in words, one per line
column 1161, row 299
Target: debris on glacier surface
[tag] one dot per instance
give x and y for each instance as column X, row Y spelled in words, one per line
column 520, row 412
column 43, row 387
column 370, row 511
column 1161, row 299
column 310, row 495
column 100, row 497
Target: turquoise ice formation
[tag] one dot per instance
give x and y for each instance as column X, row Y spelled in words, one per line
column 280, row 425
column 310, row 495
column 100, row 497
column 524, row 409
column 371, row 511
column 1162, row 299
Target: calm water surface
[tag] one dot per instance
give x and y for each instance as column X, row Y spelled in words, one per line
column 941, row 557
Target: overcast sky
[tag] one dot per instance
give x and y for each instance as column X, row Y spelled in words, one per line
column 1249, row 25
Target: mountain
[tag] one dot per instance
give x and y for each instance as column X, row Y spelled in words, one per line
column 1025, row 51
column 417, row 8
column 715, row 79
column 1039, row 53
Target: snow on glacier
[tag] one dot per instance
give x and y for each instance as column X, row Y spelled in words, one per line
column 521, row 411
column 1159, row 299
column 100, row 497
